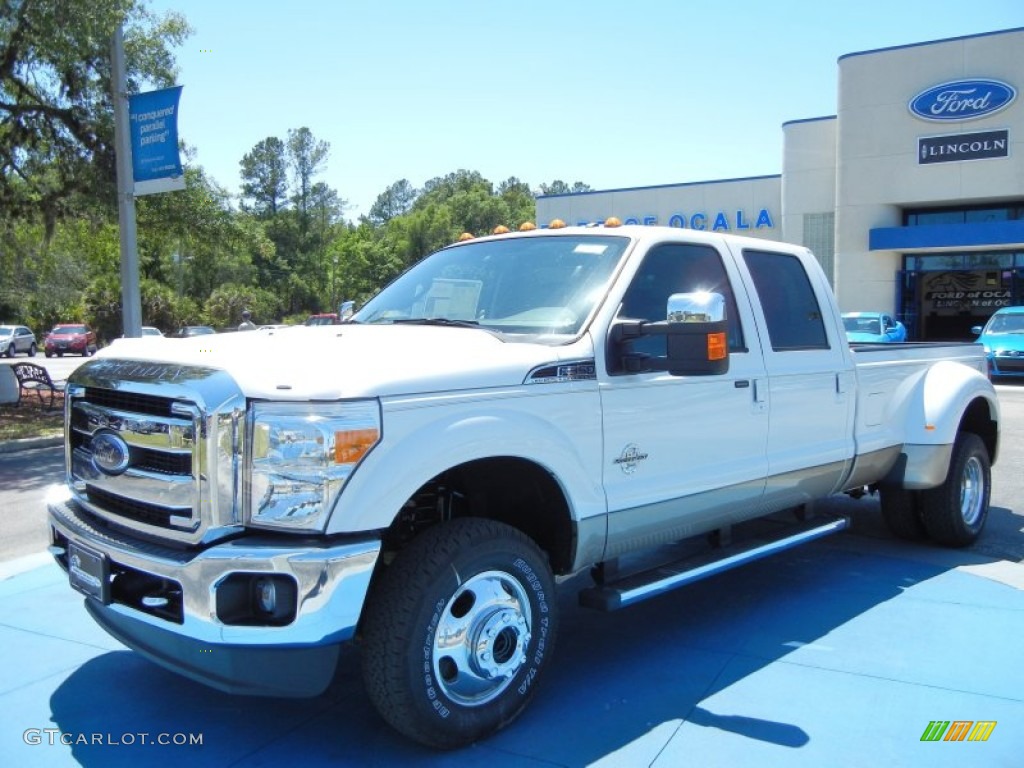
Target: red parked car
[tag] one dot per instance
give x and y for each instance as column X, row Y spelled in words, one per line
column 71, row 337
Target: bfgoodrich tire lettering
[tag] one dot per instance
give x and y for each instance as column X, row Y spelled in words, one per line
column 458, row 631
column 955, row 512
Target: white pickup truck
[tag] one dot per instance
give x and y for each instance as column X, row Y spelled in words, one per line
column 513, row 409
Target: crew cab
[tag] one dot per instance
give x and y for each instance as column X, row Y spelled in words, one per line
column 512, row 409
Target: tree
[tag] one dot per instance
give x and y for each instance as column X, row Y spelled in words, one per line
column 394, row 201
column 56, row 114
column 442, row 188
column 522, row 206
column 265, row 176
column 308, row 157
column 559, row 187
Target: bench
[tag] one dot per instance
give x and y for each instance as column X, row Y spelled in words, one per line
column 35, row 378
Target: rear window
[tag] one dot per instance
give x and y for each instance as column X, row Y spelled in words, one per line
column 790, row 307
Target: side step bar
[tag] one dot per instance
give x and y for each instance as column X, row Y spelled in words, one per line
column 656, row 581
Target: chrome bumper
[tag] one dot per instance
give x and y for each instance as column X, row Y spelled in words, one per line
column 188, row 637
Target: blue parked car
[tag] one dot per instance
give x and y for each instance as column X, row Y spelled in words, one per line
column 873, row 327
column 1003, row 338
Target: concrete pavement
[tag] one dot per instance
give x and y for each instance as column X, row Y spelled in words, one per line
column 839, row 653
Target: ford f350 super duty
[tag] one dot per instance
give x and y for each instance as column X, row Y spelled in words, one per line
column 512, row 409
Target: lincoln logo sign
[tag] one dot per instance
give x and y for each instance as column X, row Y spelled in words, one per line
column 962, row 100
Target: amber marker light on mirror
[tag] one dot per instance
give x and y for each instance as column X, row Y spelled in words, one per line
column 716, row 346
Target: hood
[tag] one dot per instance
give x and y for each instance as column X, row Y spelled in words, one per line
column 998, row 342
column 342, row 361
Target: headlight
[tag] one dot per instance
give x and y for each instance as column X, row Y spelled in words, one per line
column 300, row 457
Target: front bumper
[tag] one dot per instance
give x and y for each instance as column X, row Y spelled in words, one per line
column 167, row 603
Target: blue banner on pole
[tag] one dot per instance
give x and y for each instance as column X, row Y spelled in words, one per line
column 153, row 117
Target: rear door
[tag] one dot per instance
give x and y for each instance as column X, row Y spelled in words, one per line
column 811, row 380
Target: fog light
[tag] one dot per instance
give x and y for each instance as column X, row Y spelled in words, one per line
column 266, row 595
column 257, row 599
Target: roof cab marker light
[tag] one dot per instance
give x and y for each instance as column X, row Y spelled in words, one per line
column 556, row 224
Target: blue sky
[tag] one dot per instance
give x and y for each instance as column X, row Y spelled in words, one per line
column 614, row 94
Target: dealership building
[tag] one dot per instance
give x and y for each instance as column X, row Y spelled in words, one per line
column 911, row 195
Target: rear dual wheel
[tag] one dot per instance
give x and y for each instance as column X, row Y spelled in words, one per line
column 952, row 514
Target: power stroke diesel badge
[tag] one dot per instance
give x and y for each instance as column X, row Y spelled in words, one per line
column 629, row 458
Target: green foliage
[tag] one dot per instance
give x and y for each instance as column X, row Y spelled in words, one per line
column 394, row 201
column 265, row 176
column 559, row 187
column 224, row 307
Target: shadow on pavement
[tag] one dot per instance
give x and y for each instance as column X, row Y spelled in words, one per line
column 621, row 684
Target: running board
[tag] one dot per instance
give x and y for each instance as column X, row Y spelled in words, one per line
column 646, row 584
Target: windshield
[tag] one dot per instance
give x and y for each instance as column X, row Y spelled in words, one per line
column 541, row 285
column 870, row 325
column 1006, row 323
column 6, row 331
column 69, row 329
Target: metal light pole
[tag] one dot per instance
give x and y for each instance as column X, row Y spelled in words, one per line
column 131, row 299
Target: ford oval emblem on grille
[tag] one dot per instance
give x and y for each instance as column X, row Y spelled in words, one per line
column 110, row 453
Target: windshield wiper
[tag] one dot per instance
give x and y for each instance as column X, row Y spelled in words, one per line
column 437, row 321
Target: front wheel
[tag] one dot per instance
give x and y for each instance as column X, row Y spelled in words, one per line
column 32, row 350
column 458, row 631
column 955, row 512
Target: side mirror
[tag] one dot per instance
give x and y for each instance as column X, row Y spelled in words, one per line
column 976, row 330
column 697, row 334
column 346, row 310
column 696, row 341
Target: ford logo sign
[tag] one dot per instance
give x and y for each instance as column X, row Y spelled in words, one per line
column 110, row 453
column 962, row 100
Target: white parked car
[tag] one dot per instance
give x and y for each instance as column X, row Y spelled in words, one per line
column 15, row 339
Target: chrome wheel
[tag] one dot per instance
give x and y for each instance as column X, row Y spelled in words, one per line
column 482, row 637
column 972, row 491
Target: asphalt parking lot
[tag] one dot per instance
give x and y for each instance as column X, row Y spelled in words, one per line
column 843, row 652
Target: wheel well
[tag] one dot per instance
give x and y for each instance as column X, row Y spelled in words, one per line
column 513, row 491
column 978, row 419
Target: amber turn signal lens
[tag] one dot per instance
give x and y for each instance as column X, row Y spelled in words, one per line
column 716, row 346
column 352, row 445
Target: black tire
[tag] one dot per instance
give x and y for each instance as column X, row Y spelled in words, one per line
column 954, row 513
column 11, row 351
column 32, row 349
column 60, row 354
column 478, row 580
column 48, row 353
column 901, row 511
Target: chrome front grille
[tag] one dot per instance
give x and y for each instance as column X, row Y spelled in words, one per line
column 155, row 448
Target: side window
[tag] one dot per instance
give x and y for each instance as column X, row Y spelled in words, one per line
column 790, row 307
column 677, row 268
